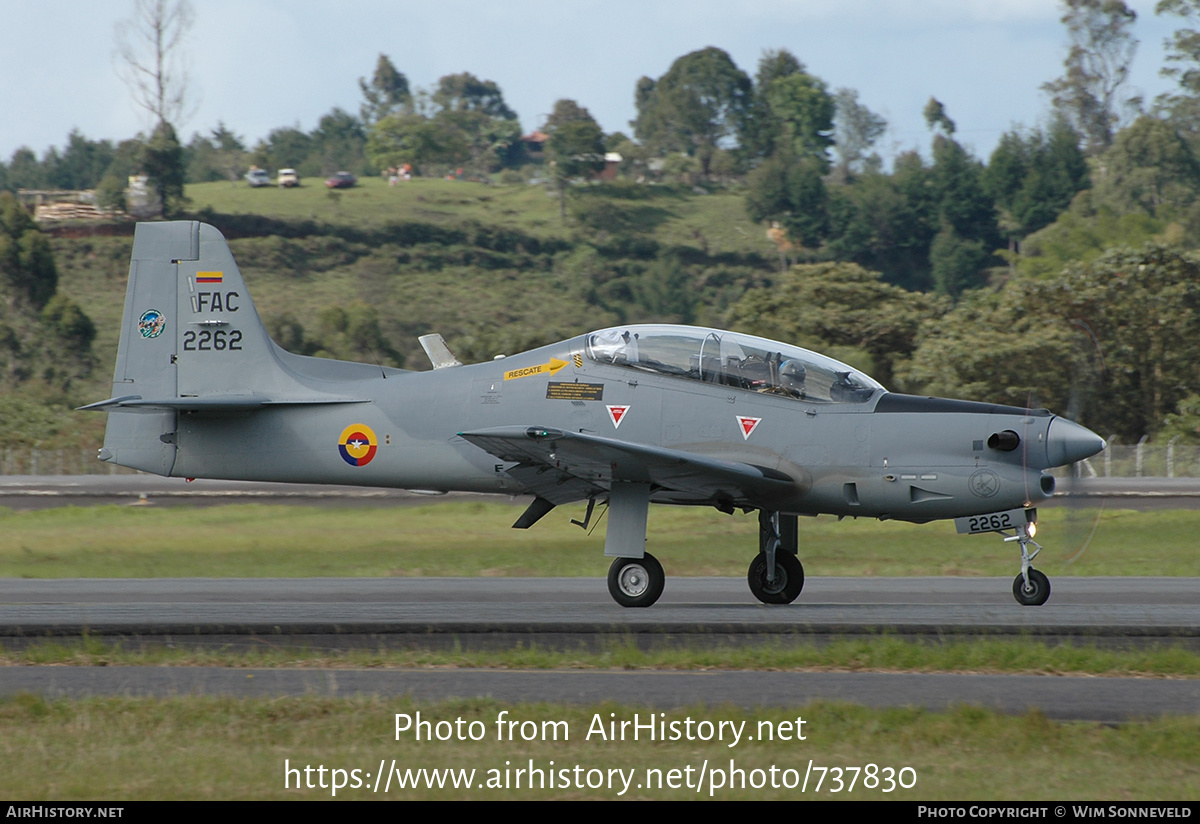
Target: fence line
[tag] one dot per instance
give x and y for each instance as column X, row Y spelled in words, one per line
column 1143, row 460
column 1140, row 460
column 57, row 462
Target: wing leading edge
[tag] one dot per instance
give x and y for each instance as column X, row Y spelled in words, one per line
column 562, row 466
column 209, row 403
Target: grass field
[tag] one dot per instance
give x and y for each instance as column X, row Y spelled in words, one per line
column 219, row 748
column 858, row 654
column 374, row 203
column 255, row 540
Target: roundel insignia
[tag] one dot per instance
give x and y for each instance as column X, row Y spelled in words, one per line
column 152, row 323
column 357, row 444
column 984, row 484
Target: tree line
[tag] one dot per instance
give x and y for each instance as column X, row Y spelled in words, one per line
column 803, row 153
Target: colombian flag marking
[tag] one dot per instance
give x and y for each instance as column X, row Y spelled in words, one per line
column 210, row 277
column 357, row 444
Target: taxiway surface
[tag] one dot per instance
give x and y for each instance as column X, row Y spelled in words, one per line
column 470, row 610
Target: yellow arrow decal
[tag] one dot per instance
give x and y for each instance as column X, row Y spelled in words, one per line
column 541, row 369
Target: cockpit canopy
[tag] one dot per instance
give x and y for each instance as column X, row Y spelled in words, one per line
column 731, row 359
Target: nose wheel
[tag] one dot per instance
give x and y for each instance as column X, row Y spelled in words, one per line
column 1031, row 588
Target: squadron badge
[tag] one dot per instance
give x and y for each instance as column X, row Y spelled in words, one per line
column 152, row 323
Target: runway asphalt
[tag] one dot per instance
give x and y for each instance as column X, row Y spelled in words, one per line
column 489, row 611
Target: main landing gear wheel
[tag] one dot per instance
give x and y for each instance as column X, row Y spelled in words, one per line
column 1035, row 592
column 789, row 578
column 636, row 582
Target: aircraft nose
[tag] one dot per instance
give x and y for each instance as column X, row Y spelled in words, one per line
column 1068, row 442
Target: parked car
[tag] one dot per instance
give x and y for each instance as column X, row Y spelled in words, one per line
column 341, row 180
column 288, row 178
column 258, row 177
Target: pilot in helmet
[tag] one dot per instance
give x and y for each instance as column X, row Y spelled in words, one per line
column 792, row 375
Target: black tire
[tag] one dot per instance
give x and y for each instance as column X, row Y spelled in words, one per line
column 636, row 582
column 1036, row 594
column 789, row 578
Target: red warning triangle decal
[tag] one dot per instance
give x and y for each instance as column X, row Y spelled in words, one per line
column 748, row 425
column 617, row 414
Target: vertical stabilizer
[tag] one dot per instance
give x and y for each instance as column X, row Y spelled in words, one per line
column 189, row 335
column 145, row 439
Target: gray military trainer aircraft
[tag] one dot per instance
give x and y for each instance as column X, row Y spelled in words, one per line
column 626, row 416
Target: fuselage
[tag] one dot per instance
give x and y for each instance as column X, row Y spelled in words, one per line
column 857, row 450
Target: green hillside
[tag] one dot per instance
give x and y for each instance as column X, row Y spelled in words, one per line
column 361, row 273
column 671, row 215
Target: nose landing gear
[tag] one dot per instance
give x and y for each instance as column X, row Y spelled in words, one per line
column 1031, row 588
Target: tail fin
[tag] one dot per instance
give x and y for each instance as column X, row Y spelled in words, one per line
column 192, row 341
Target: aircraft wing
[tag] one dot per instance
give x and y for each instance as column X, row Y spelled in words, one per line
column 563, row 466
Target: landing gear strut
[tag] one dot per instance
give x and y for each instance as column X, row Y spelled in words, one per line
column 635, row 578
column 1031, row 588
column 776, row 575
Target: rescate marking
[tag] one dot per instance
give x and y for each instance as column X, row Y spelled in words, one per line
column 541, row 369
column 748, row 425
column 617, row 414
column 357, row 444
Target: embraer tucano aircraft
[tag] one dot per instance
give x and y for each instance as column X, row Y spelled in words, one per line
column 625, row 416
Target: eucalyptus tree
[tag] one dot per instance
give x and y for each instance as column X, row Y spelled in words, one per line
column 575, row 147
column 385, row 94
column 1097, row 66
